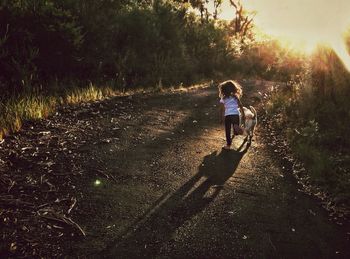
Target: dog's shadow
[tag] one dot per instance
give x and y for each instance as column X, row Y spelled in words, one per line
column 146, row 236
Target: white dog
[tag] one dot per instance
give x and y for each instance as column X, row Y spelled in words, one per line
column 251, row 120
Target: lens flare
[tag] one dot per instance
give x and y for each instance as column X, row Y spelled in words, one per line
column 97, row 182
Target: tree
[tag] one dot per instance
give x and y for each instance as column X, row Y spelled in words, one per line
column 40, row 40
column 217, row 4
column 243, row 23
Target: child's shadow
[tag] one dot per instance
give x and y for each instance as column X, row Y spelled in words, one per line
column 217, row 169
column 146, row 236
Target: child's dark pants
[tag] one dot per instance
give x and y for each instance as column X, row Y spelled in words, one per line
column 230, row 120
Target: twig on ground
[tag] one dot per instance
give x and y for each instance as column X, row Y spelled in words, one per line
column 108, row 176
column 72, row 205
column 273, row 246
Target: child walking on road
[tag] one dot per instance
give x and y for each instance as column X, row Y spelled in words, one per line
column 230, row 109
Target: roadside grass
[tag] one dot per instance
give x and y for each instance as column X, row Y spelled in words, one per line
column 90, row 93
column 321, row 149
column 14, row 110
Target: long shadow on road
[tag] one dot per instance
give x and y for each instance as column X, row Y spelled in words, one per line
column 145, row 237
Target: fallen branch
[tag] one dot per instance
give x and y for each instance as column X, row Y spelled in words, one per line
column 66, row 220
column 76, row 225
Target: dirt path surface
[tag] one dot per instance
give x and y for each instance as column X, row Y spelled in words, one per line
column 145, row 176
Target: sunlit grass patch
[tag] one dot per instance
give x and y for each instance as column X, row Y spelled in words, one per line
column 90, row 93
column 32, row 106
column 15, row 110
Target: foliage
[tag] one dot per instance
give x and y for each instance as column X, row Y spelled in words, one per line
column 127, row 42
column 270, row 60
column 313, row 109
column 46, row 46
column 38, row 40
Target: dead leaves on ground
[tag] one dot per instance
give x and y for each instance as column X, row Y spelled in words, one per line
column 39, row 175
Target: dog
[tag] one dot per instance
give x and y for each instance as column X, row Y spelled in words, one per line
column 251, row 120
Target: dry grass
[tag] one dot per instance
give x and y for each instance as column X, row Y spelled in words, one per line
column 15, row 110
column 91, row 93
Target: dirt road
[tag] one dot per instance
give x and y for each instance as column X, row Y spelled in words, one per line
column 145, row 176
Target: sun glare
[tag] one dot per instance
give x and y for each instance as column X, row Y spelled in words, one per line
column 305, row 23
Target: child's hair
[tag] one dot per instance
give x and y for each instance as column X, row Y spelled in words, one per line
column 230, row 88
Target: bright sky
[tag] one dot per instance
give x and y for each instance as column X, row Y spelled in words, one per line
column 301, row 21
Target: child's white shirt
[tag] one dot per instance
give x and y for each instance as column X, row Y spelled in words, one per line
column 231, row 105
